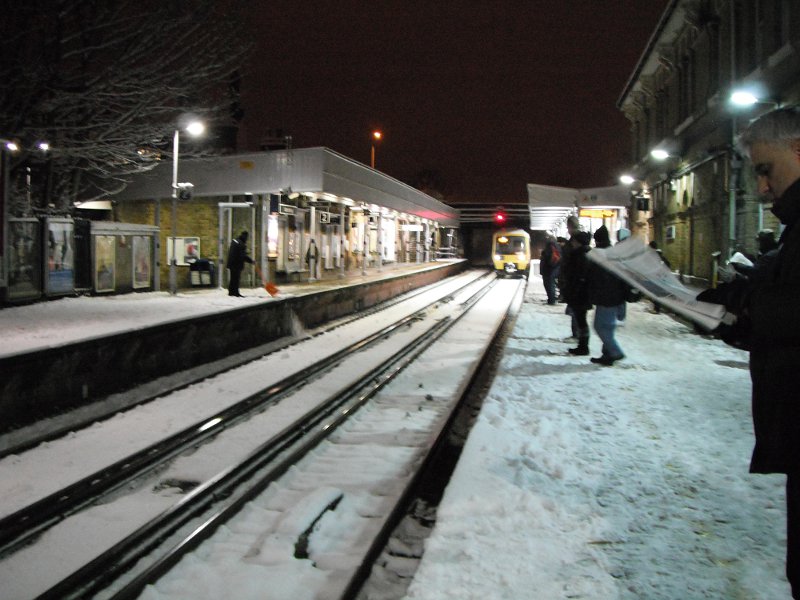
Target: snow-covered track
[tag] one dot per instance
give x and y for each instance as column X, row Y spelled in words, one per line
column 22, row 525
column 268, row 464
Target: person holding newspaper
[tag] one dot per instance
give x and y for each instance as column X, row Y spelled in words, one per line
column 768, row 319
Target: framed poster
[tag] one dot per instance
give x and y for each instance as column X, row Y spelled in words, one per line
column 187, row 250
column 142, row 261
column 24, row 259
column 104, row 262
column 60, row 252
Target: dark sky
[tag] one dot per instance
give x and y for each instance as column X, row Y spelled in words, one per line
column 491, row 94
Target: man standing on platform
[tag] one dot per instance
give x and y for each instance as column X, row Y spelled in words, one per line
column 237, row 257
column 769, row 317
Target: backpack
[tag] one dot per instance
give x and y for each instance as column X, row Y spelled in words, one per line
column 555, row 255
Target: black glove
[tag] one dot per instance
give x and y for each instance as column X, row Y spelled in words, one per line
column 736, row 335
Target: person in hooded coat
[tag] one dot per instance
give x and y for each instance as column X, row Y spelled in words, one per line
column 607, row 293
column 549, row 267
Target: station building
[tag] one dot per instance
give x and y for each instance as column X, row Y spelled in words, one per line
column 359, row 219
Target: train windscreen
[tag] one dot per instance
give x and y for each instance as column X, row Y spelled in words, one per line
column 510, row 245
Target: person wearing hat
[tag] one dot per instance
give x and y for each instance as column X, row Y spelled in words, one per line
column 237, row 257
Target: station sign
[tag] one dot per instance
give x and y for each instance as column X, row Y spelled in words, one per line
column 286, row 209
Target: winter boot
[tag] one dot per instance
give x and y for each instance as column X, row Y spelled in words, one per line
column 582, row 348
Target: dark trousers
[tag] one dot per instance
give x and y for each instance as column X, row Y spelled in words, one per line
column 233, row 283
column 580, row 324
column 793, row 532
column 549, row 280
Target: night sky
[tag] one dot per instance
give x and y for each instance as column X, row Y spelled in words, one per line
column 490, row 94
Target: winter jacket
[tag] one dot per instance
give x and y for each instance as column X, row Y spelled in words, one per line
column 605, row 288
column 771, row 306
column 550, row 259
column 576, row 272
column 237, row 255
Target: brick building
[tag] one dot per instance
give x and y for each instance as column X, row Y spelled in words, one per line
column 701, row 196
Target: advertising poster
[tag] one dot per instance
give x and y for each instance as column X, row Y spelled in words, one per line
column 187, row 250
column 60, row 248
column 142, row 262
column 104, row 261
column 24, row 259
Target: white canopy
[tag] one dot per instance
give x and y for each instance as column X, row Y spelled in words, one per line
column 550, row 205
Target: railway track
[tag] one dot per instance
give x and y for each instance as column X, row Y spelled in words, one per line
column 288, row 419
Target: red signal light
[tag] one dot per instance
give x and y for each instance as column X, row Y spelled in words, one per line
column 500, row 217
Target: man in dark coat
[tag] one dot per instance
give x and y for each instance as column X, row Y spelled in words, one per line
column 577, row 289
column 769, row 319
column 237, row 257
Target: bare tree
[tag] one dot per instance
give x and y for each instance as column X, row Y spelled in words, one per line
column 104, row 83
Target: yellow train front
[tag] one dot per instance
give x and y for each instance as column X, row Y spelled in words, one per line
column 511, row 252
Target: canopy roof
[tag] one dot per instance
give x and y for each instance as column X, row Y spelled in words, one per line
column 550, row 205
column 319, row 173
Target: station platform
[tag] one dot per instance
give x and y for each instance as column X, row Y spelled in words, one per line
column 63, row 355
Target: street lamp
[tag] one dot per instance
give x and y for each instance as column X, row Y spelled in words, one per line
column 661, row 154
column 745, row 98
column 376, row 137
column 193, row 128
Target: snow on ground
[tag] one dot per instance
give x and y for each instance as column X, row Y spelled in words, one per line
column 577, row 481
column 630, row 482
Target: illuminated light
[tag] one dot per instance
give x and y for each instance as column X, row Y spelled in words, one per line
column 659, row 154
column 626, row 179
column 196, row 128
column 43, row 146
column 500, row 217
column 12, row 146
column 502, row 239
column 377, row 135
column 498, row 257
column 743, row 98
column 210, row 424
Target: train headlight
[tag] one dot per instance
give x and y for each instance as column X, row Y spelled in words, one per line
column 498, row 257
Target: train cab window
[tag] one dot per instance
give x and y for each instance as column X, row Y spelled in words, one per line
column 510, row 245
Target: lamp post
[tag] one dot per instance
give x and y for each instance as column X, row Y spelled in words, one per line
column 194, row 128
column 376, row 137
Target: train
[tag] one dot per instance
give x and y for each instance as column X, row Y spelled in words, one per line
column 511, row 252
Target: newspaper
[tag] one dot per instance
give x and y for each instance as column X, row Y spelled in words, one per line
column 642, row 267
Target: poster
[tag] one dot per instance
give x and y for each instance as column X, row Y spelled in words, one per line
column 187, row 250
column 60, row 248
column 24, row 259
column 104, row 262
column 142, row 261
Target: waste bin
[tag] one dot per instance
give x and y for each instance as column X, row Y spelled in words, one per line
column 201, row 272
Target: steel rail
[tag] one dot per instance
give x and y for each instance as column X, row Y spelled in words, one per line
column 123, row 556
column 19, row 527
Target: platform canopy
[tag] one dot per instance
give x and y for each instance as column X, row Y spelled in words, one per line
column 319, row 174
column 551, row 205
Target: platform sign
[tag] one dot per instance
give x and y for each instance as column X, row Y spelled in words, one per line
column 324, row 217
